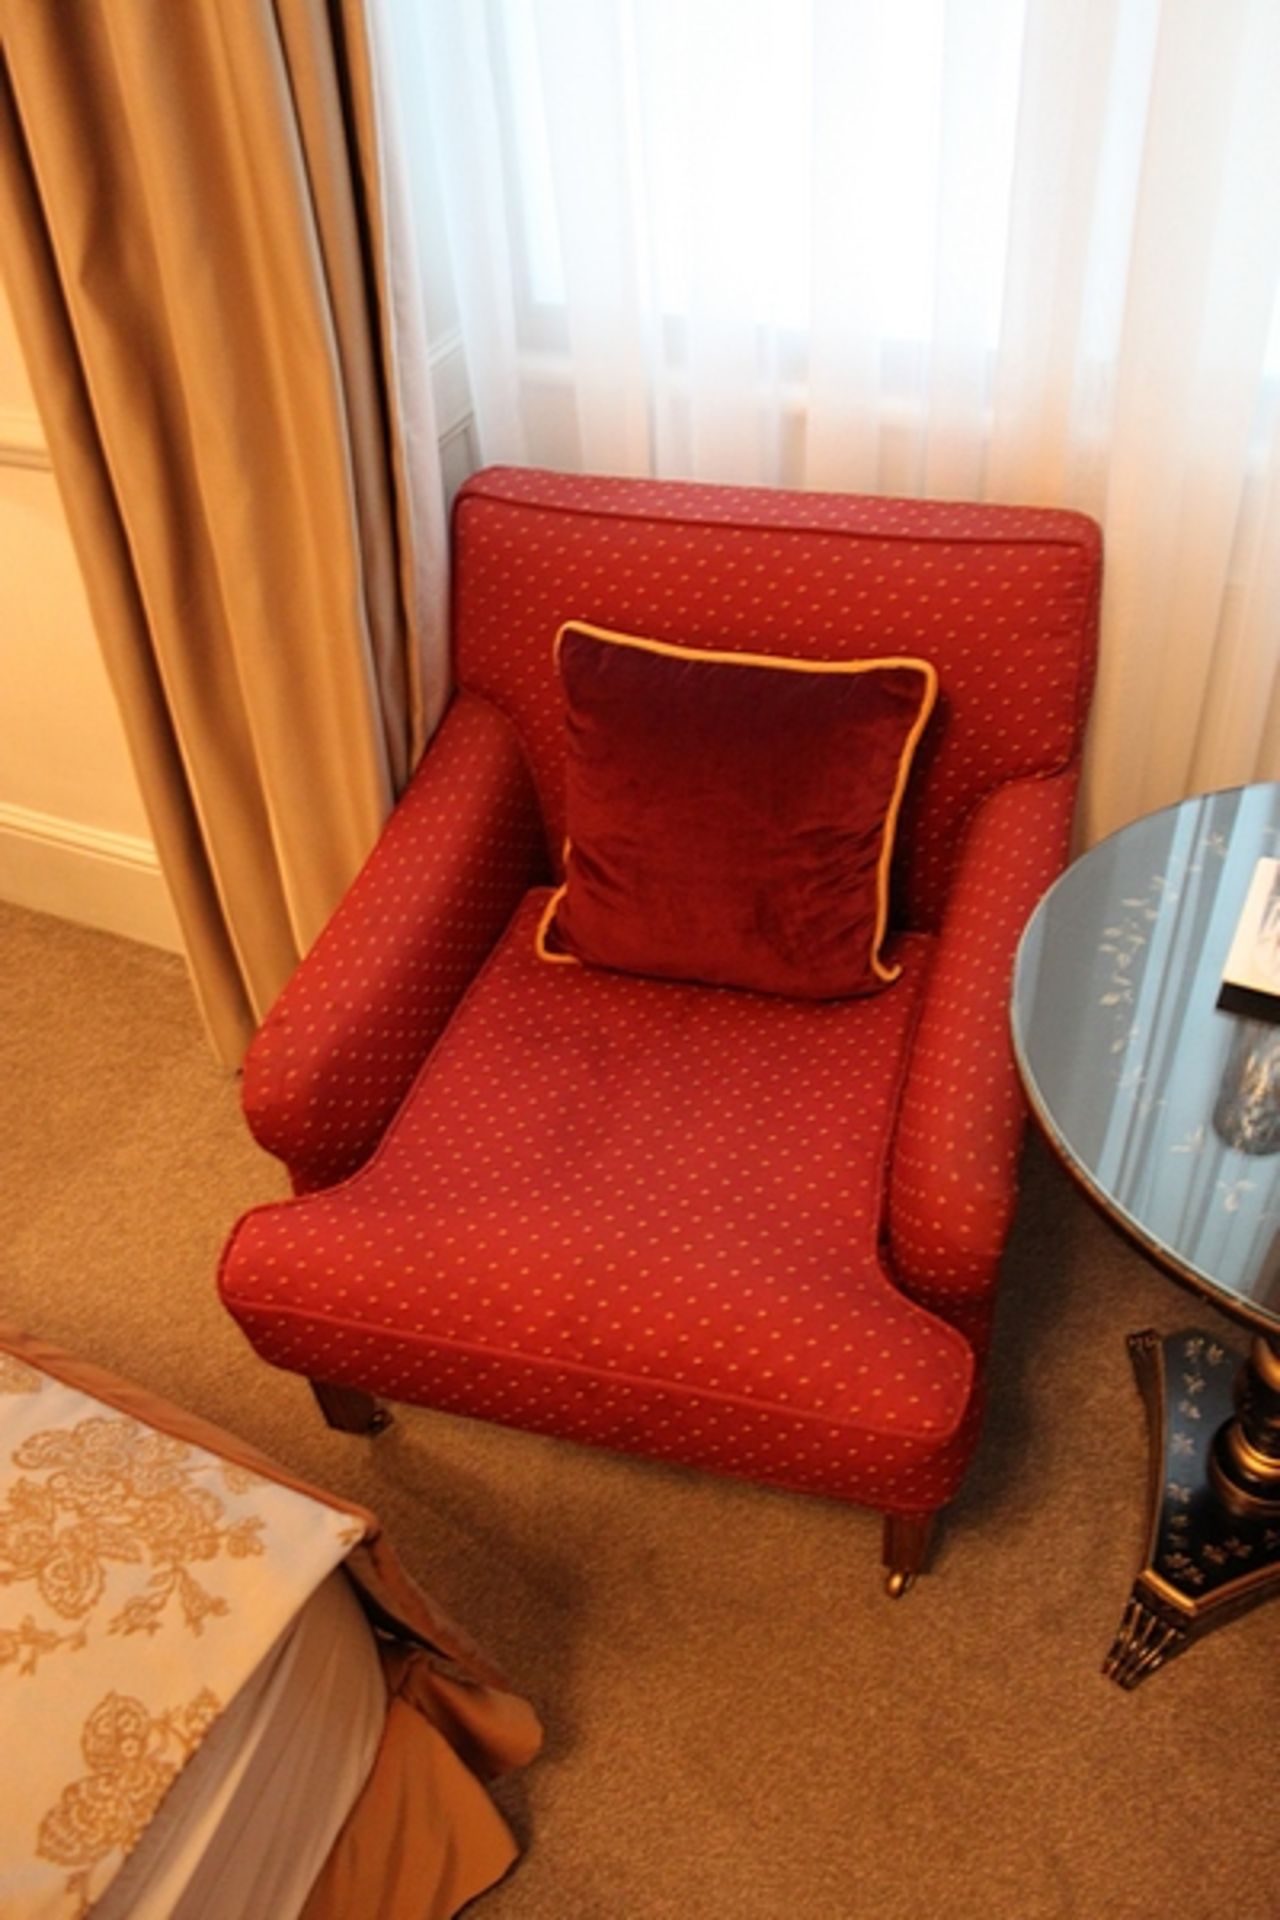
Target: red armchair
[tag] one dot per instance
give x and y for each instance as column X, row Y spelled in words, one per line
column 755, row 1235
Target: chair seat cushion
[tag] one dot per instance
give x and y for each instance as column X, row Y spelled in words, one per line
column 636, row 1213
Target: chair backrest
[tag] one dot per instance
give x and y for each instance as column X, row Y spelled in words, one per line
column 1003, row 601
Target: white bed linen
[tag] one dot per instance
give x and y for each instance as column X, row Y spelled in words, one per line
column 246, row 1827
column 151, row 1567
column 144, row 1576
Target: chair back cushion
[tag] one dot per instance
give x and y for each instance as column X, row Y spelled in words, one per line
column 1003, row 601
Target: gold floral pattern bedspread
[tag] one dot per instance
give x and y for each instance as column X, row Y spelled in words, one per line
column 142, row 1580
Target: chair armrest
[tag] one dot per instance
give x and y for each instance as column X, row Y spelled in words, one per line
column 953, row 1179
column 338, row 1051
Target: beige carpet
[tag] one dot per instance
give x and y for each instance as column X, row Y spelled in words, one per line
column 740, row 1726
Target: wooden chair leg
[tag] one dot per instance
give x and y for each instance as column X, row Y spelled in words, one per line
column 350, row 1409
column 905, row 1552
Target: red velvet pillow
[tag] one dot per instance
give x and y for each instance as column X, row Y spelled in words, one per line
column 731, row 815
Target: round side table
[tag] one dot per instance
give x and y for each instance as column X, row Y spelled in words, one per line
column 1165, row 1106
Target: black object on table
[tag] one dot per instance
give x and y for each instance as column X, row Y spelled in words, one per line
column 1166, row 1108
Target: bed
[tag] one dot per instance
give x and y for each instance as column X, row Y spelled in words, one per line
column 221, row 1692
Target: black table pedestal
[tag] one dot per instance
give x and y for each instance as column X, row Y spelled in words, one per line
column 1213, row 1541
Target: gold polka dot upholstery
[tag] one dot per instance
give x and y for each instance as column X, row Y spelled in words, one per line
column 336, row 1054
column 754, row 1235
column 997, row 598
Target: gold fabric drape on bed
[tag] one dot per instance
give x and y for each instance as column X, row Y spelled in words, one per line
column 199, row 222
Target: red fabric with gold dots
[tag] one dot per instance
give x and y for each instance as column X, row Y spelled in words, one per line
column 955, row 1163
column 636, row 1214
column 337, row 1053
column 746, row 1233
column 999, row 599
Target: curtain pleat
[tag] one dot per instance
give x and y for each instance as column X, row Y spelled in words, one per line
column 193, row 236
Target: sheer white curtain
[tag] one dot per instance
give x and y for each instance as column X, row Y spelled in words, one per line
column 1009, row 249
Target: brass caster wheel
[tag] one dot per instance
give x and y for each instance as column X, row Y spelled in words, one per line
column 898, row 1583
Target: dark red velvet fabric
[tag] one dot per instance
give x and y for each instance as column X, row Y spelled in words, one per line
column 731, row 816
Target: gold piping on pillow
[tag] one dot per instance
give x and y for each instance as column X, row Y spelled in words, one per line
column 789, row 664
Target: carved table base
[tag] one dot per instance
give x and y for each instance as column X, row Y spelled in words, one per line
column 1213, row 1543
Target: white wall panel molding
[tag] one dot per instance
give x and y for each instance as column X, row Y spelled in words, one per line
column 89, row 874
column 450, row 383
column 455, row 416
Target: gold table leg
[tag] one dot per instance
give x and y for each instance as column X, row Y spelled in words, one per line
column 1213, row 1540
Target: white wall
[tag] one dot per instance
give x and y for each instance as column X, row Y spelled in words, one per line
column 74, row 838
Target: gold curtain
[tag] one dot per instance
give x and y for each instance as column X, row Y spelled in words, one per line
column 200, row 227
